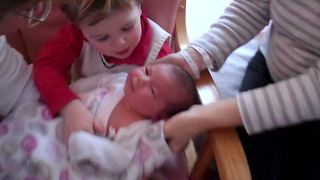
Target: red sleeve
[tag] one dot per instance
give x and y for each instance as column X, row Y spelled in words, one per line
column 53, row 64
column 165, row 50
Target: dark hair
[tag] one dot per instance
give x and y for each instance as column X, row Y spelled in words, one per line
column 189, row 94
column 93, row 10
column 7, row 6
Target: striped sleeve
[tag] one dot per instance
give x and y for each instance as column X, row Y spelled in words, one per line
column 284, row 103
column 242, row 20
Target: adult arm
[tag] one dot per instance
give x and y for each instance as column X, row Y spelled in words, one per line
column 241, row 21
column 288, row 102
column 15, row 77
column 199, row 119
column 285, row 103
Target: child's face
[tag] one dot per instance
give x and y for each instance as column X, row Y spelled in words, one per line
column 150, row 89
column 117, row 35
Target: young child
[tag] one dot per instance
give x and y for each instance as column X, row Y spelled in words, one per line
column 104, row 36
column 134, row 146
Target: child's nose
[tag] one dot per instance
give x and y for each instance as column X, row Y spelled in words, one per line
column 121, row 41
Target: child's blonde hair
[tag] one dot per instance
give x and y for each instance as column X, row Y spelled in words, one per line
column 93, row 11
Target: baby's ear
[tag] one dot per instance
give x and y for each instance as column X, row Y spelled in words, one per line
column 159, row 117
column 156, row 118
column 164, row 116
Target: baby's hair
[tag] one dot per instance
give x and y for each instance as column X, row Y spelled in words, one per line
column 93, row 11
column 188, row 88
column 7, row 6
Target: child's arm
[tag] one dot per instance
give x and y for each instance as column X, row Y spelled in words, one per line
column 52, row 67
column 76, row 118
column 52, row 75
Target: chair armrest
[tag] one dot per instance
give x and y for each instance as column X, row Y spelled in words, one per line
column 224, row 144
column 180, row 34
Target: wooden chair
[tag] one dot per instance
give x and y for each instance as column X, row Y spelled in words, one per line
column 222, row 145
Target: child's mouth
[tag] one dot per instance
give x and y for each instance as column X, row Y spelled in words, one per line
column 123, row 52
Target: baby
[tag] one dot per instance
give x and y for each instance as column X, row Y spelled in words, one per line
column 135, row 145
column 128, row 105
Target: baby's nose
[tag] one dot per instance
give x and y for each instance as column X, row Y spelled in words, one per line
column 143, row 80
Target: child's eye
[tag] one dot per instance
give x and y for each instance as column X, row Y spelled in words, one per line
column 104, row 38
column 146, row 70
column 126, row 29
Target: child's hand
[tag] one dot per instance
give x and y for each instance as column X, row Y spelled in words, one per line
column 76, row 118
column 99, row 128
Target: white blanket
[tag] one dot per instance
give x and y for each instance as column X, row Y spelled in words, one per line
column 31, row 141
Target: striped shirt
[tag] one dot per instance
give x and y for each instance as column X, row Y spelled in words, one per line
column 292, row 52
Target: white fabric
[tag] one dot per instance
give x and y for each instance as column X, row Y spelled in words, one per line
column 16, row 85
column 135, row 151
column 101, row 93
column 90, row 62
column 229, row 77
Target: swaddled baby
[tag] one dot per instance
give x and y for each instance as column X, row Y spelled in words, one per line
column 126, row 107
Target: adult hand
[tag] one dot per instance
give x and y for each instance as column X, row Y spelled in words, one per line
column 180, row 128
column 76, row 118
column 176, row 58
column 200, row 118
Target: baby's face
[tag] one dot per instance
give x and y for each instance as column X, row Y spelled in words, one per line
column 149, row 89
column 117, row 35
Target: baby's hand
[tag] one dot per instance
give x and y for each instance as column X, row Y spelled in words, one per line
column 76, row 118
